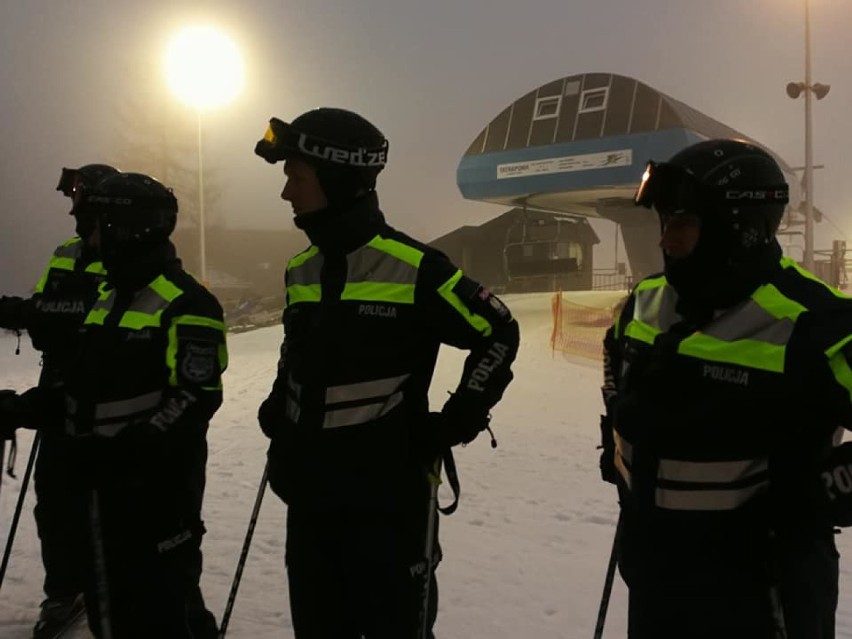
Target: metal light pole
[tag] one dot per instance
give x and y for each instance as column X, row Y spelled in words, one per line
column 794, row 90
column 204, row 69
column 202, row 242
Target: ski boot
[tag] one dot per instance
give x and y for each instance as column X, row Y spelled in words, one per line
column 58, row 615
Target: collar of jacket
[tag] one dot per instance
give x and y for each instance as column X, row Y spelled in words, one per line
column 139, row 270
column 702, row 291
column 344, row 227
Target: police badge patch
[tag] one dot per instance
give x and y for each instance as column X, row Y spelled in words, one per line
column 199, row 363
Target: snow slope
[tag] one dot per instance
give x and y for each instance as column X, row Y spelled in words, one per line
column 524, row 556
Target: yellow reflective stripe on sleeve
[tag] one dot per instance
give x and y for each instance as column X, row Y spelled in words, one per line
column 304, row 293
column 641, row 331
column 301, row 258
column 379, row 292
column 407, row 254
column 786, row 262
column 776, row 303
column 654, row 282
column 744, row 352
column 97, row 268
column 839, row 364
column 102, row 306
column 165, row 289
column 138, row 320
column 476, row 321
column 58, row 263
column 96, row 316
column 172, row 348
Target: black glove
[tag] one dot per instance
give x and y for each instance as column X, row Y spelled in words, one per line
column 13, row 413
column 44, row 408
column 458, row 423
column 271, row 415
column 607, row 460
column 14, row 312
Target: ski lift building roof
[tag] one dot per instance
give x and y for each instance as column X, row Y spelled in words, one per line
column 581, row 142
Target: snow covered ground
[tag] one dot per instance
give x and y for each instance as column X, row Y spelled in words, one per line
column 524, row 556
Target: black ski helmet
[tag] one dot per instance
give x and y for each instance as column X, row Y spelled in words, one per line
column 73, row 183
column 738, row 192
column 347, row 150
column 735, row 187
column 86, row 176
column 133, row 213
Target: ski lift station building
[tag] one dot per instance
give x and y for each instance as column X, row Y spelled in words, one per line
column 572, row 149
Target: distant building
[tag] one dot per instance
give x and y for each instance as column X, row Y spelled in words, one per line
column 525, row 251
column 578, row 145
column 242, row 263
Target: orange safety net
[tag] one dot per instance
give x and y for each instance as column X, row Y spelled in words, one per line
column 579, row 329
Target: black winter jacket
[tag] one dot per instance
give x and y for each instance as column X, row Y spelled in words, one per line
column 366, row 312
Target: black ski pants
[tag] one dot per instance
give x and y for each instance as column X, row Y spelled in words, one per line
column 354, row 575
column 61, row 518
column 708, row 597
column 149, row 571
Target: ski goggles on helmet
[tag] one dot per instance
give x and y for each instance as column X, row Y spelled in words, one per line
column 671, row 190
column 281, row 142
column 71, row 185
column 668, row 189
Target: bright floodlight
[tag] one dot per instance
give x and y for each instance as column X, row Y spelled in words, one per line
column 203, row 67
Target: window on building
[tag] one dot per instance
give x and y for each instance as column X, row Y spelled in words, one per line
column 547, row 107
column 593, row 100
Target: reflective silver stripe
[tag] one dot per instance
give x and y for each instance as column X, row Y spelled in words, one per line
column 708, row 499
column 623, row 453
column 148, row 301
column 656, row 307
column 125, row 407
column 104, row 303
column 292, row 410
column 624, row 447
column 109, row 430
column 371, row 265
column 361, row 414
column 750, row 321
column 364, row 390
column 306, row 273
column 293, row 386
column 623, row 471
column 73, row 250
column 710, row 472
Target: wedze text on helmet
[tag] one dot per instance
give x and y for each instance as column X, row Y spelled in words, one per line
column 361, row 157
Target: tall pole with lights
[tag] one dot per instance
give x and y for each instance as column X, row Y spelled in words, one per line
column 204, row 69
column 794, row 90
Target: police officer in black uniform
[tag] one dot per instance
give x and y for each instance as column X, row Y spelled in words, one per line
column 52, row 318
column 138, row 400
column 729, row 374
column 367, row 309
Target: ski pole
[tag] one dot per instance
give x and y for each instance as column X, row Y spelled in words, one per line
column 610, row 577
column 434, row 478
column 21, row 496
column 232, row 597
column 100, row 565
column 2, row 457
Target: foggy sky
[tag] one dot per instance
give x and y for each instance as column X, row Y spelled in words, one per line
column 430, row 74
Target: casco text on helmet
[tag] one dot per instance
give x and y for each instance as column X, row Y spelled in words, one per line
column 133, row 212
column 735, row 187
